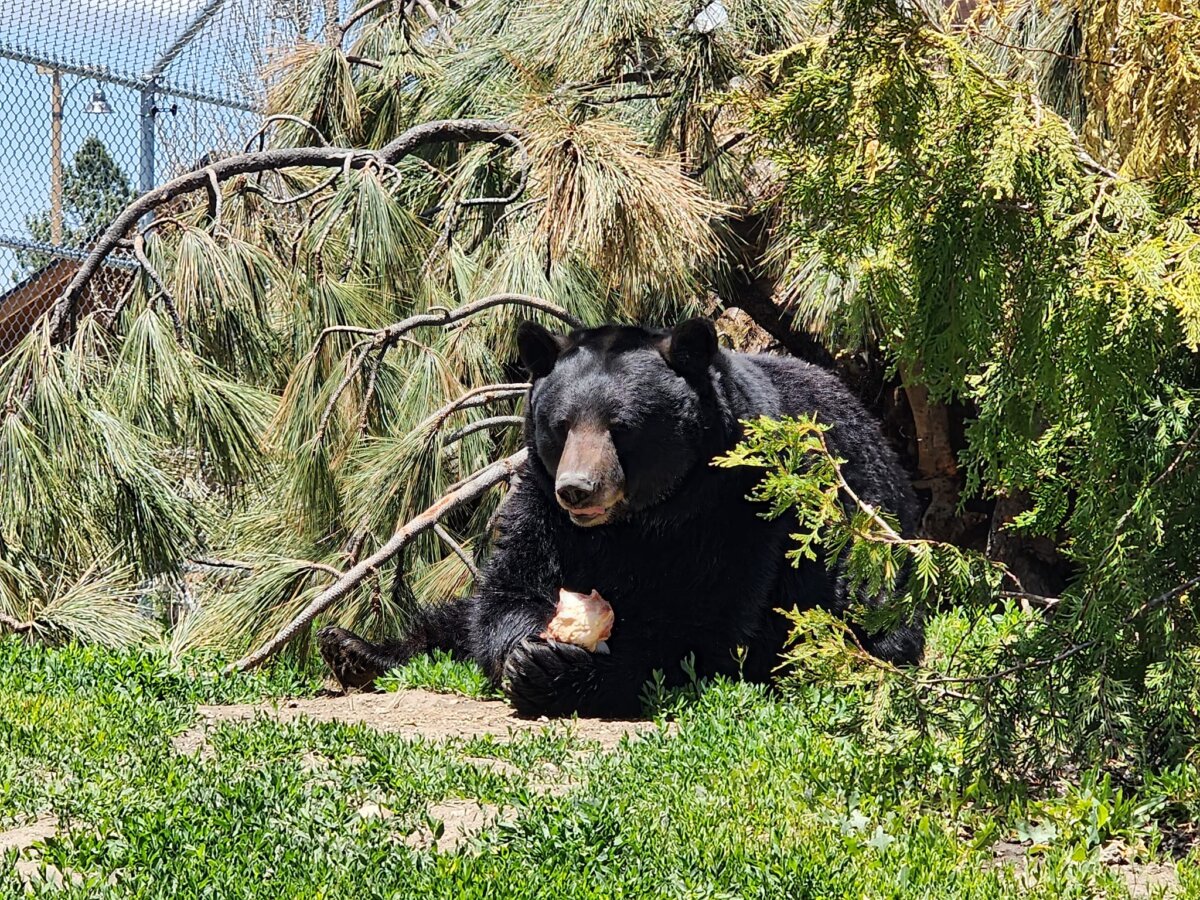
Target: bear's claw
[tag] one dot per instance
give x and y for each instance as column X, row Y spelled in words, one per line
column 548, row 678
column 352, row 660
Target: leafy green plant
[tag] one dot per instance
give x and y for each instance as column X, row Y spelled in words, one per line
column 744, row 794
column 941, row 216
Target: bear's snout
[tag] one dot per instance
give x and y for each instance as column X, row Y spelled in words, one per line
column 575, row 490
column 589, row 482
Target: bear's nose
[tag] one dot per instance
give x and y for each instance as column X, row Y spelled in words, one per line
column 575, row 490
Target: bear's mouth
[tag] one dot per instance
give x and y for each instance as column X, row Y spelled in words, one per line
column 590, row 516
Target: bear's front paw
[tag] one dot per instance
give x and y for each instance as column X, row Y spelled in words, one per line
column 548, row 678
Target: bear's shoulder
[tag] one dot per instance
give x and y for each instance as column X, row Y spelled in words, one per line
column 785, row 386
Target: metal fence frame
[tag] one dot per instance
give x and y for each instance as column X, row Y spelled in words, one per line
column 152, row 87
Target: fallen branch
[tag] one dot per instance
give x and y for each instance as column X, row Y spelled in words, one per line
column 445, row 130
column 16, row 626
column 473, row 487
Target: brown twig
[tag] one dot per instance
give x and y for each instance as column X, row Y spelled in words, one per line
column 16, row 626
column 351, row 372
column 1086, row 60
column 441, row 316
column 473, row 487
column 261, row 134
column 369, row 394
column 482, row 425
column 724, row 147
column 357, row 16
column 479, row 396
column 458, row 549
column 139, row 252
column 385, row 338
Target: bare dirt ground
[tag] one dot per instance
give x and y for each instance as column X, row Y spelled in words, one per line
column 421, row 713
column 1142, row 879
column 414, row 712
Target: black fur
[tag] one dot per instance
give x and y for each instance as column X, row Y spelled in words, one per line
column 687, row 562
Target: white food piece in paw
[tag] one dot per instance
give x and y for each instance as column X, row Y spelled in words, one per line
column 581, row 619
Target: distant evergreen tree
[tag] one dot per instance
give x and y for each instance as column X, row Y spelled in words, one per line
column 95, row 189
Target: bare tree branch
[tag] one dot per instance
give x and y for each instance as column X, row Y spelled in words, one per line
column 445, row 130
column 473, row 487
column 139, row 251
column 261, row 134
column 482, row 425
column 16, row 626
column 385, row 338
column 479, row 396
column 458, row 549
column 357, row 16
column 364, row 61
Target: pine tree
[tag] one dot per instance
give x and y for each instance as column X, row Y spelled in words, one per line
column 95, row 189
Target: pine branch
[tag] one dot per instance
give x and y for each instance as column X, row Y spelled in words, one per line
column 468, row 490
column 384, row 339
column 458, row 549
column 345, row 158
column 16, row 626
column 482, row 425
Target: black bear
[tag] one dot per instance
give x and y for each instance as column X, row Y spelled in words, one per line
column 618, row 496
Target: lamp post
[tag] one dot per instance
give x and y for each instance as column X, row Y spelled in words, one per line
column 98, row 105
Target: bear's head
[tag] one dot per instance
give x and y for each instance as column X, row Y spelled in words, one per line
column 617, row 415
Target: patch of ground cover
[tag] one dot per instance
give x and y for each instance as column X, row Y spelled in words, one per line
column 415, row 712
column 746, row 795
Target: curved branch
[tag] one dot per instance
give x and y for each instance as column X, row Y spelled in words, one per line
column 139, row 251
column 444, row 316
column 522, row 179
column 261, row 134
column 473, row 487
column 477, row 397
column 358, row 15
column 483, row 424
column 444, row 130
column 384, row 338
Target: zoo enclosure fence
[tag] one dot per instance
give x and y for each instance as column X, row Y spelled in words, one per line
column 103, row 100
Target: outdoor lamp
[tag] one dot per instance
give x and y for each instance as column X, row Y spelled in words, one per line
column 98, row 105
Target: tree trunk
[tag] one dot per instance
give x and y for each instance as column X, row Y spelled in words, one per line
column 937, row 464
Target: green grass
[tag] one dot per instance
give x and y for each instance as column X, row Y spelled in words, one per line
column 439, row 672
column 749, row 795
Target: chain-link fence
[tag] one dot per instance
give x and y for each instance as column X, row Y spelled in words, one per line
column 105, row 99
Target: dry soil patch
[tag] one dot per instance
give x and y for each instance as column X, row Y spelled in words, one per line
column 1142, row 879
column 25, row 836
column 415, row 712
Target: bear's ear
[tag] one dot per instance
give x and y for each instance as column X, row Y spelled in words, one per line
column 539, row 348
column 690, row 346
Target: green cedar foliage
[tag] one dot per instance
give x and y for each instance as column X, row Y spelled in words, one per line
column 941, row 214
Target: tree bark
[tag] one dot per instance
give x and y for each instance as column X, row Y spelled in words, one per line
column 937, row 463
column 473, row 487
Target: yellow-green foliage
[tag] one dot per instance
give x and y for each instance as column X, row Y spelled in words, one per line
column 946, row 215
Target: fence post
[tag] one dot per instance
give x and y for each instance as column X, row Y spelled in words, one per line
column 146, row 156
